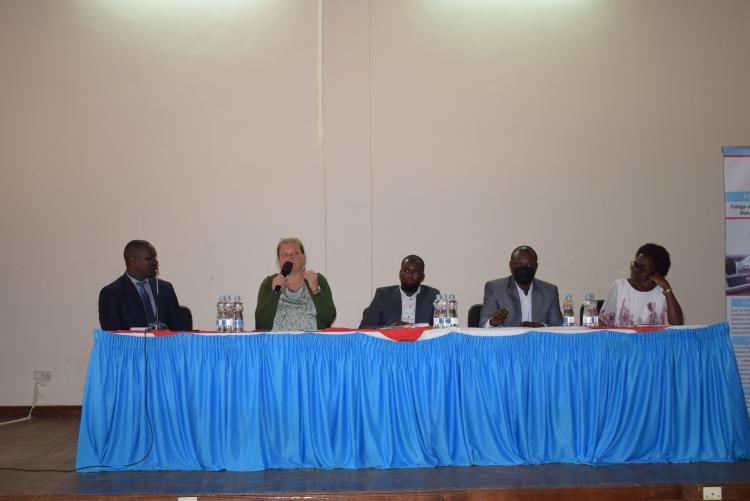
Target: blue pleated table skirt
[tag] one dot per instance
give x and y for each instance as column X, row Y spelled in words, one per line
column 313, row 400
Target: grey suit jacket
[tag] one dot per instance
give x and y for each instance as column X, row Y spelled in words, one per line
column 502, row 293
column 385, row 308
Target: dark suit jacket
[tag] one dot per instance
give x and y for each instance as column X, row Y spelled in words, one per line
column 120, row 306
column 502, row 293
column 385, row 308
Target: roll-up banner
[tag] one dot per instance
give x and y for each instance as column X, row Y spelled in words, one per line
column 737, row 255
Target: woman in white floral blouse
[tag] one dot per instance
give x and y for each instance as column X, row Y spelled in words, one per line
column 646, row 298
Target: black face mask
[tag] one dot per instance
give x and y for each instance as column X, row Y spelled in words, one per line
column 524, row 275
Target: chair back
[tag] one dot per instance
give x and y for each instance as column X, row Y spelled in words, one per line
column 185, row 318
column 473, row 316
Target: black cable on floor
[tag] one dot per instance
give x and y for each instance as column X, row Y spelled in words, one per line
column 148, row 419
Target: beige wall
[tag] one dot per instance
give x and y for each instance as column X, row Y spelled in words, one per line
column 455, row 130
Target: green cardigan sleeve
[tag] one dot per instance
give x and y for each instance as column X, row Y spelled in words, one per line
column 265, row 309
column 324, row 307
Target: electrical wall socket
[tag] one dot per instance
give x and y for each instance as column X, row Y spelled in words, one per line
column 712, row 493
column 43, row 376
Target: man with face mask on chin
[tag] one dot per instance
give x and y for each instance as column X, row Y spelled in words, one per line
column 520, row 299
column 409, row 303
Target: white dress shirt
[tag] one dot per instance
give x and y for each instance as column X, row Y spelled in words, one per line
column 525, row 303
column 409, row 306
column 526, row 310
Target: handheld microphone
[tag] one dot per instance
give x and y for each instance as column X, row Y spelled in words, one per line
column 286, row 269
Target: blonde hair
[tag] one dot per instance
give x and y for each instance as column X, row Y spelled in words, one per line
column 290, row 240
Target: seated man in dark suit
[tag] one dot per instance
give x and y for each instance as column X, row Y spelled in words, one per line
column 408, row 304
column 520, row 299
column 138, row 298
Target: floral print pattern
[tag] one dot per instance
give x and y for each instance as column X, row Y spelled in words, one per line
column 625, row 306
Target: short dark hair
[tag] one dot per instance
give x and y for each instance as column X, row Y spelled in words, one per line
column 658, row 255
column 414, row 258
column 134, row 245
column 522, row 248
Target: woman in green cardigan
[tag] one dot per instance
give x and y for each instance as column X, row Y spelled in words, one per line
column 300, row 301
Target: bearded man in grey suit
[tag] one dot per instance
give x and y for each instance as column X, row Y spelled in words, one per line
column 409, row 303
column 520, row 299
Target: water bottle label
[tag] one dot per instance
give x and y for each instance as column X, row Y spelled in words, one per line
column 569, row 320
column 239, row 325
column 590, row 320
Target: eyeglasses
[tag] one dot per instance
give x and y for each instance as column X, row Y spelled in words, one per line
column 409, row 271
column 638, row 267
column 523, row 265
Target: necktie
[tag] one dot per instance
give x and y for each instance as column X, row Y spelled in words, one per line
column 146, row 300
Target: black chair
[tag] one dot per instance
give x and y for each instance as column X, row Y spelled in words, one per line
column 185, row 318
column 473, row 316
column 599, row 303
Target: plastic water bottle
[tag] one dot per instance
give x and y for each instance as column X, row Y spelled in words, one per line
column 569, row 312
column 436, row 312
column 590, row 315
column 239, row 321
column 228, row 314
column 445, row 318
column 220, row 312
column 228, row 317
column 453, row 310
column 440, row 311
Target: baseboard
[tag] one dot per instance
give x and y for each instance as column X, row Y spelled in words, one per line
column 42, row 411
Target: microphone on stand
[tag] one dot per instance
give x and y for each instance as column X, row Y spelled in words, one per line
column 286, row 269
column 157, row 325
